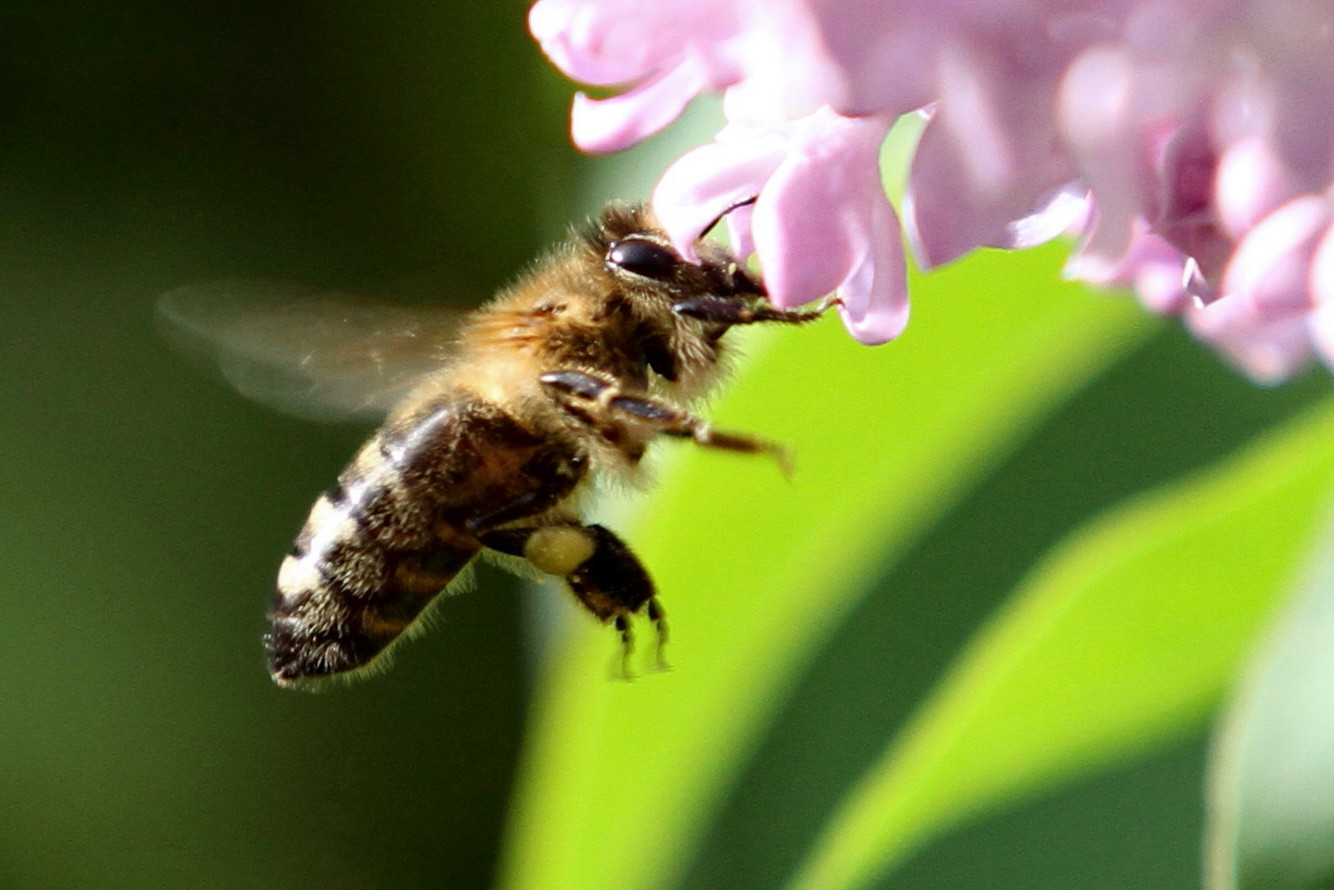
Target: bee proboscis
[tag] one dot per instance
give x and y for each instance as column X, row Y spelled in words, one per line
column 499, row 423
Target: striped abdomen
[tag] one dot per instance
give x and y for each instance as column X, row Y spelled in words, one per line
column 388, row 538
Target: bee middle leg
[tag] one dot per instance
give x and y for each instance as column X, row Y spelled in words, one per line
column 609, row 409
column 604, row 573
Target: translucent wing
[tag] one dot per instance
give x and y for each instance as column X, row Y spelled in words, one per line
column 310, row 353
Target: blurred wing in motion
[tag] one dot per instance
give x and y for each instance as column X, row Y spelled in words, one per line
column 313, row 354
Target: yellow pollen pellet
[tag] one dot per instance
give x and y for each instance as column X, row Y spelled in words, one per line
column 559, row 549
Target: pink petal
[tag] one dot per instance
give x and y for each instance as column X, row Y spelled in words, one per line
column 820, row 202
column 1322, row 333
column 1271, row 267
column 1183, row 212
column 874, row 296
column 706, row 182
column 1251, row 182
column 1156, row 270
column 1322, row 293
column 614, row 124
column 988, row 170
column 946, row 216
column 1269, row 350
column 1322, row 271
column 823, row 224
column 1098, row 120
column 739, row 225
column 806, row 243
column 592, row 42
column 611, row 42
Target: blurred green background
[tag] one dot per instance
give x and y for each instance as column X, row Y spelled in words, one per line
column 147, row 145
column 145, row 508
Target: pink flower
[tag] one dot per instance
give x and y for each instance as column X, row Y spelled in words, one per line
column 820, row 216
column 1188, row 144
column 664, row 54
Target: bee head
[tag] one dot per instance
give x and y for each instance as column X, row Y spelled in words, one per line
column 637, row 253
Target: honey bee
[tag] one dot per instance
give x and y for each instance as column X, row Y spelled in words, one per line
column 509, row 415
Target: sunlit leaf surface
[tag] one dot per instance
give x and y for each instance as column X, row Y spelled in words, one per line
column 1128, row 631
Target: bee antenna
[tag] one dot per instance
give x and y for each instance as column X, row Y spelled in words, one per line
column 734, row 206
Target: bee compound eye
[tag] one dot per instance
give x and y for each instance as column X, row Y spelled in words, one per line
column 644, row 258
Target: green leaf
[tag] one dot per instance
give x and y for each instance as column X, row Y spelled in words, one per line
column 1271, row 820
column 755, row 571
column 1124, row 635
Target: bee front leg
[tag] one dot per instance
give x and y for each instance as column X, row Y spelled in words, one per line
column 609, row 410
column 605, row 575
column 733, row 312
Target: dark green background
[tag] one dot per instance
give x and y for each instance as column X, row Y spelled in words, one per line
column 144, row 146
column 148, row 145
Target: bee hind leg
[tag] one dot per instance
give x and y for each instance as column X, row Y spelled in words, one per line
column 602, row 571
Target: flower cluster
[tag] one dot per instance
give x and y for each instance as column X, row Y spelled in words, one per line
column 1189, row 144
